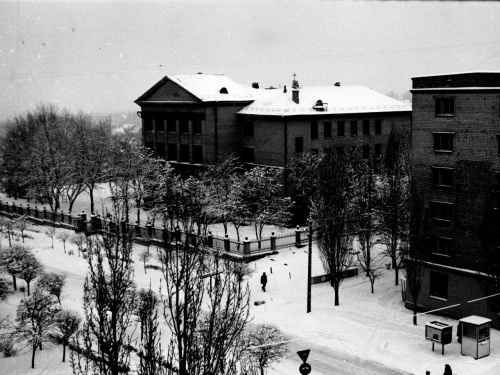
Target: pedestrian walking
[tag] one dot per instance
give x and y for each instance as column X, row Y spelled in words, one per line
column 447, row 370
column 263, row 281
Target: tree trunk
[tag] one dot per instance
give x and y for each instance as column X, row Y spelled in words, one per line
column 262, row 371
column 28, row 285
column 336, row 287
column 14, row 281
column 372, row 282
column 33, row 357
column 396, row 274
column 414, row 311
column 91, row 194
column 64, row 351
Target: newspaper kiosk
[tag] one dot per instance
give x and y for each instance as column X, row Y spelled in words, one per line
column 475, row 336
column 438, row 332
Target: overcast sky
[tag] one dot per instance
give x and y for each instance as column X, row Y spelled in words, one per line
column 101, row 56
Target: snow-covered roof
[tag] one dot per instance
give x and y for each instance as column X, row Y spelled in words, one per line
column 459, row 73
column 207, row 87
column 334, row 100
column 476, row 320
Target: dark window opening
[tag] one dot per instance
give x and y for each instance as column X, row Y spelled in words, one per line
column 196, row 126
column 354, row 128
column 172, row 151
column 378, row 127
column 184, row 126
column 378, row 151
column 441, row 210
column 299, row 145
column 341, row 128
column 445, row 106
column 148, row 124
column 248, row 129
column 366, row 152
column 184, row 153
column 327, row 130
column 366, row 127
column 248, row 155
column 442, row 177
column 438, row 285
column 160, row 150
column 443, row 142
column 197, row 154
column 314, row 130
column 159, row 125
column 149, row 145
column 442, row 245
column 171, row 125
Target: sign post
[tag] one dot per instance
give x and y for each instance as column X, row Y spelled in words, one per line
column 305, row 368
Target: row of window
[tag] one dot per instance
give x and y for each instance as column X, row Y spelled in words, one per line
column 248, row 128
column 171, row 124
column 366, row 149
column 184, row 154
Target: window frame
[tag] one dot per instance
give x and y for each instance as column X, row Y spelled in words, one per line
column 248, row 129
column 437, row 213
column 171, row 125
column 378, row 126
column 377, row 154
column 341, row 128
column 184, row 154
column 442, row 107
column 438, row 288
column 183, row 126
column 171, row 151
column 366, row 127
column 327, row 129
column 197, row 154
column 449, row 135
column 354, row 128
column 197, row 126
column 439, row 246
column 314, row 130
column 438, row 179
column 246, row 153
column 299, row 150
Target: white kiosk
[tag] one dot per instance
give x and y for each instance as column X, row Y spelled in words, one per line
column 475, row 336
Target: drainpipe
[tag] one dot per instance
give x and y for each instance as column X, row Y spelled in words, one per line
column 285, row 141
column 216, row 141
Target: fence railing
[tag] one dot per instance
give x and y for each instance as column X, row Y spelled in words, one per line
column 151, row 234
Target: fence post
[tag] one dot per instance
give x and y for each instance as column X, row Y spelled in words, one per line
column 297, row 237
column 45, row 213
column 137, row 229
column 226, row 243
column 273, row 241
column 150, row 229
column 28, row 212
column 246, row 246
column 164, row 234
column 210, row 239
column 178, row 234
column 13, row 207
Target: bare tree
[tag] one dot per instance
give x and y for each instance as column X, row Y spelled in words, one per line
column 51, row 232
column 22, row 224
column 144, row 257
column 64, row 236
column 334, row 215
column 392, row 214
column 104, row 342
column 267, row 345
column 66, row 324
column 30, row 268
column 35, row 320
column 11, row 260
column 80, row 241
column 52, row 283
column 5, row 289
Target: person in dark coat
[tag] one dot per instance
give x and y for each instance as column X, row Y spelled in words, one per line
column 447, row 370
column 263, row 281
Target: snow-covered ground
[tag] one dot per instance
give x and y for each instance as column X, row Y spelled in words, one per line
column 366, row 334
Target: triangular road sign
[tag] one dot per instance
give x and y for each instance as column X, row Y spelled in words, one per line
column 303, row 354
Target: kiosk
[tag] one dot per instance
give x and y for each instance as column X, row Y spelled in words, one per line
column 438, row 332
column 475, row 336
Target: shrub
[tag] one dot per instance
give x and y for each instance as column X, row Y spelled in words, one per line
column 22, row 289
column 70, row 252
column 7, row 347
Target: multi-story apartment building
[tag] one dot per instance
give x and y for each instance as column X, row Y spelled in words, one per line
column 456, row 164
column 189, row 120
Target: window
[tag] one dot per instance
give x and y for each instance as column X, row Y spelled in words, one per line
column 299, row 145
column 441, row 210
column 366, row 127
column 468, row 330
column 443, row 142
column 248, row 129
column 378, row 151
column 442, row 177
column 378, row 127
column 314, row 130
column 172, row 151
column 159, row 124
column 366, row 151
column 442, row 246
column 341, row 128
column 184, row 126
column 197, row 126
column 438, row 285
column 149, row 145
column 160, row 150
column 171, row 125
column 327, row 130
column 197, row 155
column 354, row 128
column 445, row 106
column 148, row 124
column 248, row 155
column 184, row 153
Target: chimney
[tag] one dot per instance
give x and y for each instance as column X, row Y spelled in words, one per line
column 255, row 85
column 284, row 89
column 337, row 84
column 295, row 95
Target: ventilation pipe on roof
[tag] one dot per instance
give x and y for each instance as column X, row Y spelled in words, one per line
column 255, row 85
column 284, row 89
column 295, row 95
column 337, row 84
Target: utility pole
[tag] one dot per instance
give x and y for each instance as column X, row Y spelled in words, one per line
column 309, row 259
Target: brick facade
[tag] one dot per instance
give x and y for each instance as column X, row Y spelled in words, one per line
column 455, row 149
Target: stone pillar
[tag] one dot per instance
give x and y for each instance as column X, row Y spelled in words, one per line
column 226, row 243
column 297, row 237
column 273, row 241
column 246, row 246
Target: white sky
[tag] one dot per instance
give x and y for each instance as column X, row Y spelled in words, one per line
column 101, row 56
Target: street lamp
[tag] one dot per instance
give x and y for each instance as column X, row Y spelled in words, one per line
column 309, row 259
